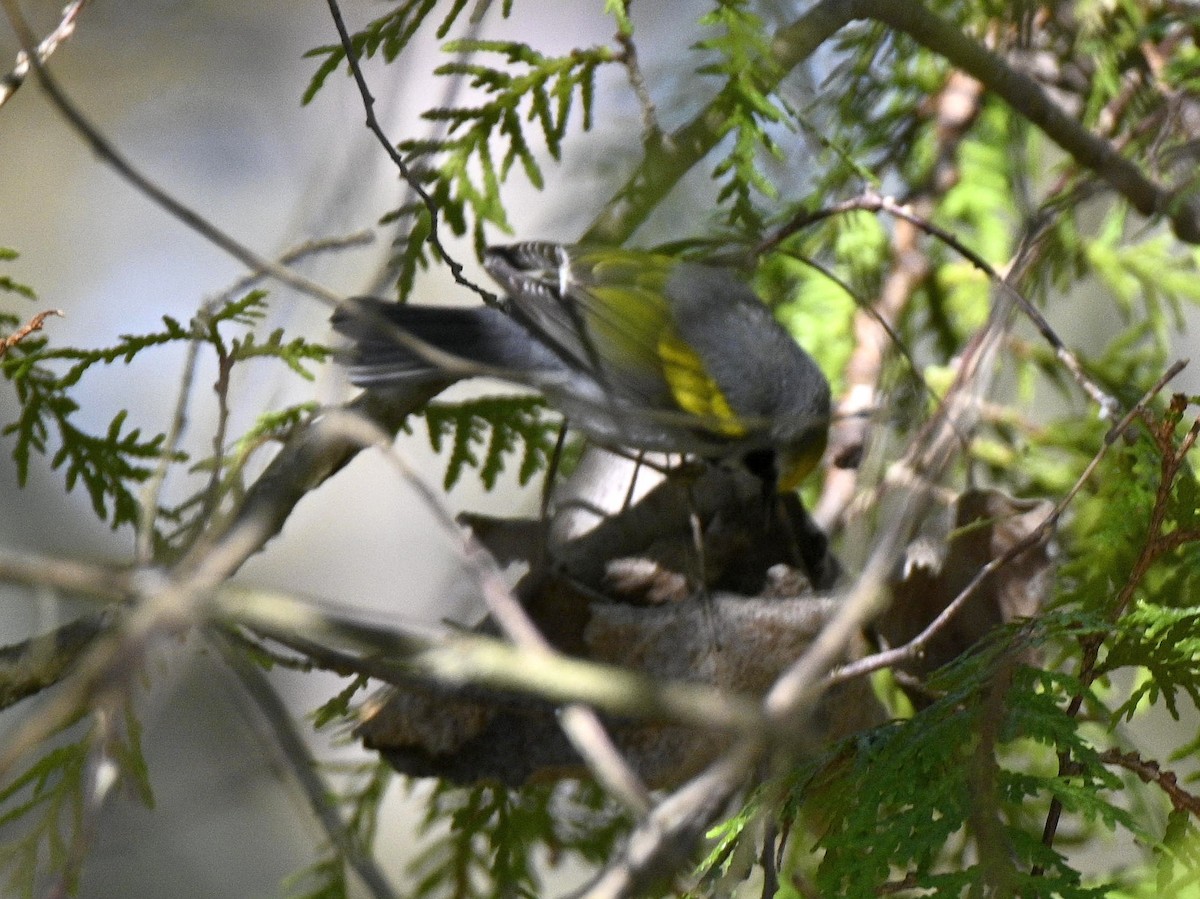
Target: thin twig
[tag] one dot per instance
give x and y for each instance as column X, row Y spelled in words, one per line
column 1150, row 772
column 663, row 842
column 868, row 308
column 314, row 247
column 303, row 766
column 385, row 277
column 588, row 736
column 11, row 82
column 414, row 184
column 913, row 648
column 149, row 498
column 652, row 133
column 212, row 491
column 178, row 210
column 769, row 860
column 874, row 202
column 1171, row 460
column 582, row 725
column 34, row 324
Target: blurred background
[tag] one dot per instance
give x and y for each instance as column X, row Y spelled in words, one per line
column 204, row 97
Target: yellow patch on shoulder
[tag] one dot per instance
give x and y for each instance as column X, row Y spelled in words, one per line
column 694, row 389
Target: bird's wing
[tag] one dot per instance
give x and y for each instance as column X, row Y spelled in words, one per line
column 606, row 311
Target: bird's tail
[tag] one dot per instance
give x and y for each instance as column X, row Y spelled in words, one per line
column 394, row 344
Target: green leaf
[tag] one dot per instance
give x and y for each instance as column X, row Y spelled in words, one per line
column 388, row 35
column 460, row 168
column 110, row 466
column 500, row 426
column 7, row 284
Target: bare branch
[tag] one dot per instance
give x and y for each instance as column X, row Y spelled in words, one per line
column 11, row 82
column 28, row 667
column 663, row 843
column 414, row 184
column 1150, row 772
column 101, row 582
column 664, row 165
column 34, row 324
column 395, row 653
column 304, row 767
column 581, row 723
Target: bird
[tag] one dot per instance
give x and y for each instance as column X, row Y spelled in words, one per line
column 636, row 349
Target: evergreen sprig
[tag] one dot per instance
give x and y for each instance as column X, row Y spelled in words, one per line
column 746, row 63
column 45, row 806
column 8, row 284
column 47, row 801
column 111, row 464
column 459, row 170
column 361, row 797
column 387, row 36
column 487, row 850
column 248, row 311
column 107, row 464
column 461, row 167
column 497, row 425
column 894, row 801
column 1165, row 644
column 274, row 425
column 495, row 835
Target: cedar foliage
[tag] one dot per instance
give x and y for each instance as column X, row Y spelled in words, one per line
column 950, row 799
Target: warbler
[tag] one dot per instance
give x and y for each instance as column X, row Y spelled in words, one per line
column 636, row 349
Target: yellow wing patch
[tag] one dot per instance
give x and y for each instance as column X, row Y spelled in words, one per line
column 693, row 389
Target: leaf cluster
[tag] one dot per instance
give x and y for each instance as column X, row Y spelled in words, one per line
column 463, row 168
column 491, row 847
column 386, row 36
column 110, row 465
column 7, row 283
column 47, row 801
column 44, row 806
column 952, row 798
column 498, row 426
column 463, row 164
column 745, row 62
column 361, row 798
